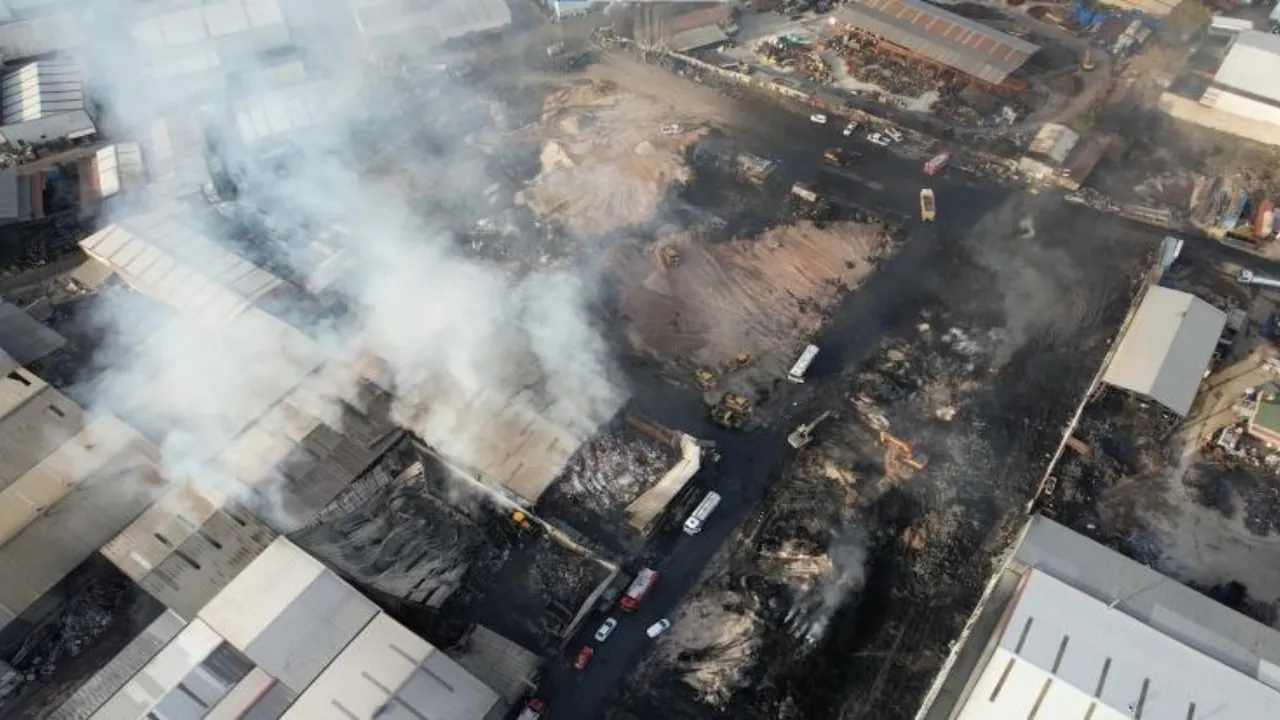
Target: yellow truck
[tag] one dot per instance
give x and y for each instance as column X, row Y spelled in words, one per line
column 928, row 208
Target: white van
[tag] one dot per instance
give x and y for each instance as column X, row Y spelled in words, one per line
column 693, row 524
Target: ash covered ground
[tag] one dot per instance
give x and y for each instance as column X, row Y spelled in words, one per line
column 840, row 595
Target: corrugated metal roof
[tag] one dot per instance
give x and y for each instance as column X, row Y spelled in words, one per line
column 1252, row 65
column 1065, row 654
column 119, row 167
column 39, row 35
column 34, row 420
column 1055, row 141
column 70, row 125
column 431, row 24
column 175, row 156
column 289, row 614
column 180, row 266
column 499, row 663
column 697, row 38
column 108, row 680
column 40, row 89
column 1167, row 348
column 168, row 668
column 65, row 508
column 285, row 111
column 24, row 338
column 942, row 36
column 1174, row 609
column 698, row 18
column 385, row 657
column 206, row 22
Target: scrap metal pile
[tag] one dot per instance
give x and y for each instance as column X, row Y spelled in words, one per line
column 893, row 73
column 789, row 53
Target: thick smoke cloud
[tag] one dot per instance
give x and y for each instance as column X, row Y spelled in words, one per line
column 447, row 328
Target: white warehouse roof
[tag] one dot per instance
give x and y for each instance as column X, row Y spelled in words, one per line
column 43, row 101
column 1165, row 351
column 1066, row 654
column 1252, row 65
column 288, row 631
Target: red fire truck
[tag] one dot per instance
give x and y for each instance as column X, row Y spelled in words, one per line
column 638, row 589
column 936, row 163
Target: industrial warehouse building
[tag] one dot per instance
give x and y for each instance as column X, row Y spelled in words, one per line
column 390, row 27
column 1166, row 348
column 939, row 36
column 43, row 102
column 1072, row 629
column 287, row 638
column 1242, row 99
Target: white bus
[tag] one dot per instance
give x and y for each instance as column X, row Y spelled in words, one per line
column 693, row 524
column 796, row 375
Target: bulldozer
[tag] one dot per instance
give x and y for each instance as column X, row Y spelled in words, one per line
column 732, row 411
column 900, row 457
column 670, row 255
column 705, row 379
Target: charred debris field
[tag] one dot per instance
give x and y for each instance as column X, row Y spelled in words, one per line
column 958, row 364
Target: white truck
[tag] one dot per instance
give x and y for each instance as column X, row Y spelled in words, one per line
column 693, row 524
column 797, row 372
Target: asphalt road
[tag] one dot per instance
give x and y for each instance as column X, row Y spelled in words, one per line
column 880, row 179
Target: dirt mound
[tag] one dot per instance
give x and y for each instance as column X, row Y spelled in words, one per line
column 765, row 295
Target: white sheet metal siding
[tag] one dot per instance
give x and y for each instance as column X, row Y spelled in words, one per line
column 387, row 669
column 1252, row 65
column 1054, row 141
column 1166, row 349
column 162, row 674
column 1065, row 654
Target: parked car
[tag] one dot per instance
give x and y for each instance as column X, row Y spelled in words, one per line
column 878, row 139
column 893, row 134
column 818, row 118
column 533, row 709
column 582, row 658
column 658, row 628
column 671, row 129
column 606, row 628
column 851, row 128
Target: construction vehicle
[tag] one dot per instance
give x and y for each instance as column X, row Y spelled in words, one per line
column 804, row 193
column 705, row 379
column 521, row 520
column 928, row 208
column 803, row 434
column 1249, row 277
column 900, row 456
column 670, row 255
column 834, row 156
column 741, row 360
column 731, row 411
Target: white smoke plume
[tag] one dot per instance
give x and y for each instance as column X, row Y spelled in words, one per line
column 446, row 327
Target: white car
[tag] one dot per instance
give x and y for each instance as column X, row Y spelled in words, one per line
column 606, row 629
column 878, row 139
column 850, row 129
column 658, row 628
column 893, row 134
column 671, row 129
column 818, row 118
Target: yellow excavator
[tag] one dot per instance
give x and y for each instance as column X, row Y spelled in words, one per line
column 732, row 411
column 670, row 255
column 900, row 456
column 705, row 379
